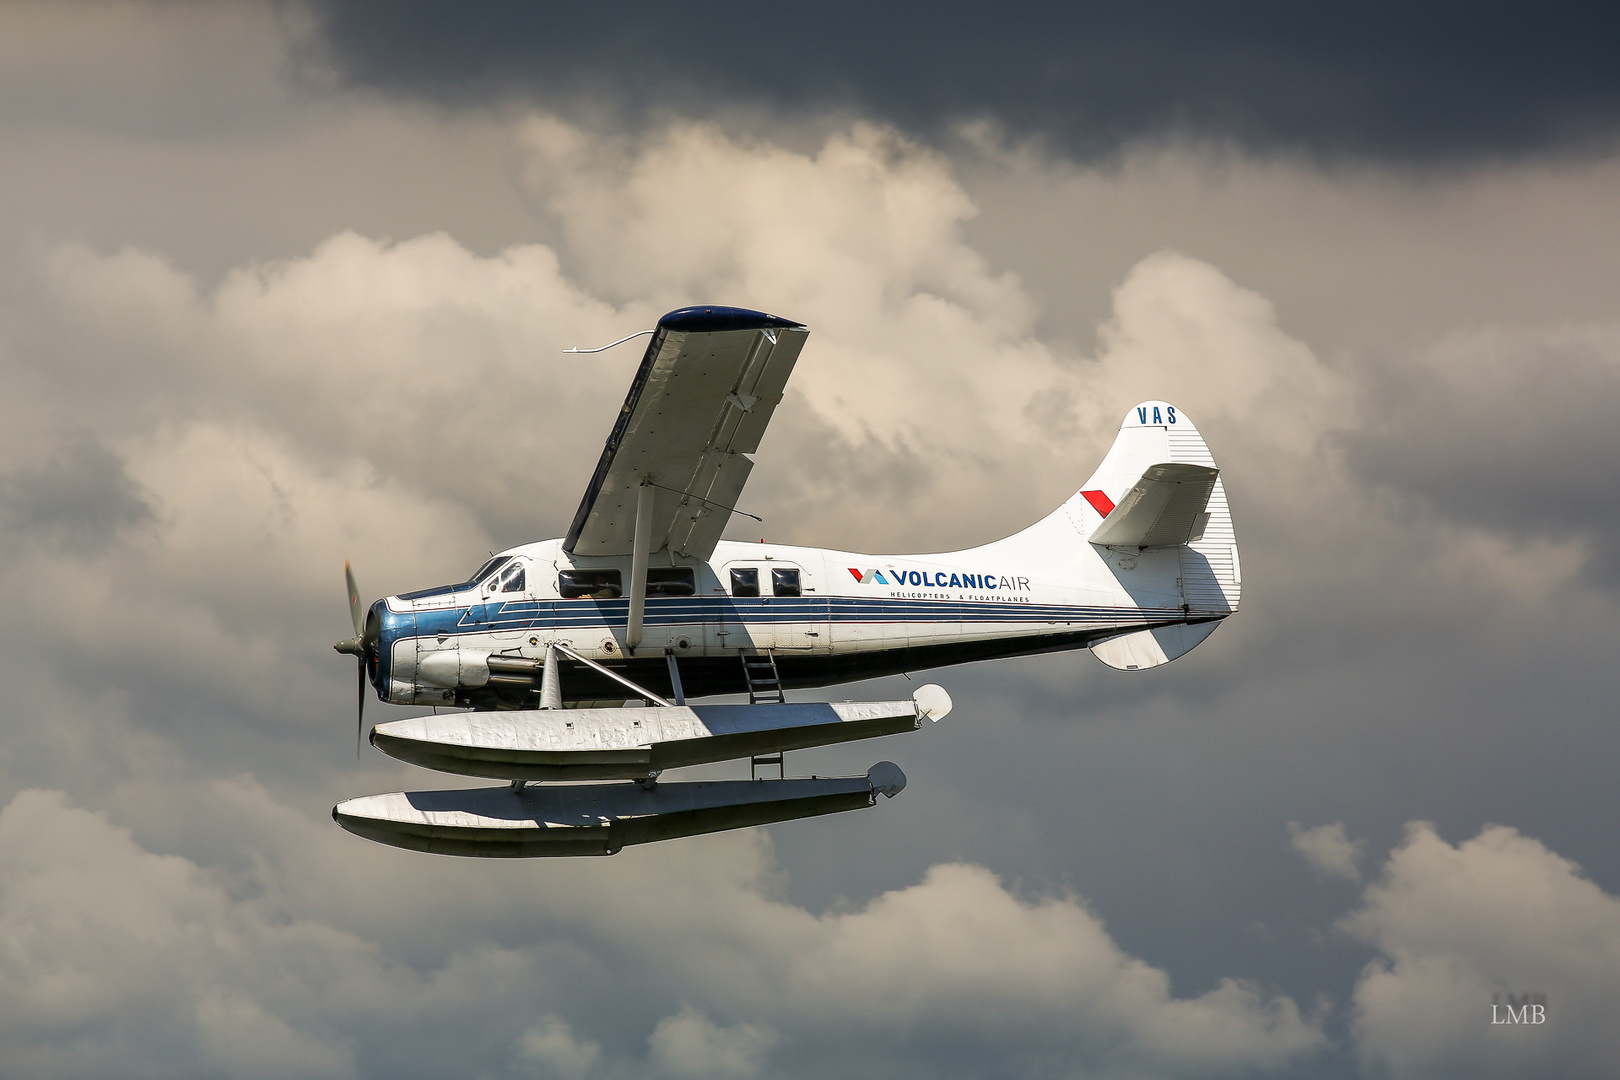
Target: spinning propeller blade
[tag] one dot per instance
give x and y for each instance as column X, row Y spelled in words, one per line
column 360, row 711
column 362, row 647
column 357, row 611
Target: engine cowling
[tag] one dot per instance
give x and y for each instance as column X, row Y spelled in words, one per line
column 454, row 668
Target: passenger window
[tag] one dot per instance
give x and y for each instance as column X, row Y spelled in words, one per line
column 784, row 581
column 745, row 581
column 513, row 579
column 589, row 585
column 670, row 581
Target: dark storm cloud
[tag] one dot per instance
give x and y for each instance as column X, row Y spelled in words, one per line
column 1421, row 83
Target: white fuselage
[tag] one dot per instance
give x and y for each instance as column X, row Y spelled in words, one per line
column 828, row 616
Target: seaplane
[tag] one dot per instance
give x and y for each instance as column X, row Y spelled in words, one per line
column 571, row 670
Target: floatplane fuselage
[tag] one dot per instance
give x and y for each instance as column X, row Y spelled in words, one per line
column 827, row 616
column 643, row 600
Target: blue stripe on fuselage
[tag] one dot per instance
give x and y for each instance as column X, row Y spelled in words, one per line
column 520, row 615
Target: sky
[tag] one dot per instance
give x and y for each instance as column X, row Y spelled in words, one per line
column 284, row 284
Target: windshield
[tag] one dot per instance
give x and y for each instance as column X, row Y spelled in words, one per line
column 487, row 569
column 438, row 590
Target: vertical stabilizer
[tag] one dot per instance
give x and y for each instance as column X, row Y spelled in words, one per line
column 1154, row 519
column 1157, row 446
column 1157, row 433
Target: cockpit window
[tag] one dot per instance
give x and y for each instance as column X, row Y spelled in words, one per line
column 512, row 580
column 489, row 568
column 589, row 585
column 744, row 581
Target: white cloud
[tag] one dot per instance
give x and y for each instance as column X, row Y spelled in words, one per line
column 1457, row 927
column 922, row 378
column 689, row 1045
column 550, row 1048
column 288, row 964
column 120, row 962
column 959, row 959
column 1329, row 851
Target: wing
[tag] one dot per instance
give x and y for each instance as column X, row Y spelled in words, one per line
column 699, row 404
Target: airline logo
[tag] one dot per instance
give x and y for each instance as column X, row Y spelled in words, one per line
column 1166, row 417
column 938, row 579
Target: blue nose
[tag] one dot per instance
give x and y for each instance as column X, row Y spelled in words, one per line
column 386, row 627
column 377, row 620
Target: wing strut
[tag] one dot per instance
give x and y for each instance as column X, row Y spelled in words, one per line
column 641, row 691
column 638, row 565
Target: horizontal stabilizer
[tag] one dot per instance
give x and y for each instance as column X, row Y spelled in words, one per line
column 628, row 744
column 1150, row 648
column 598, row 819
column 1165, row 508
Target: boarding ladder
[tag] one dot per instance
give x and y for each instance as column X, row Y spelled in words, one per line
column 764, row 688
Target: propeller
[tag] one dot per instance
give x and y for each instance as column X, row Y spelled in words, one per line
column 362, row 646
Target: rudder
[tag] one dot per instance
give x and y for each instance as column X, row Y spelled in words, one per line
column 1157, row 433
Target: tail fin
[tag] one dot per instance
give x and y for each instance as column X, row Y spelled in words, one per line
column 1158, row 488
column 1156, row 433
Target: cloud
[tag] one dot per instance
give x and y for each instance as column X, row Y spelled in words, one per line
column 80, row 499
column 959, row 962
column 550, row 1048
column 1504, row 427
column 119, row 961
column 1458, row 927
column 122, row 959
column 264, row 415
column 1328, row 850
column 1369, row 79
column 144, row 67
column 925, row 382
column 689, row 1045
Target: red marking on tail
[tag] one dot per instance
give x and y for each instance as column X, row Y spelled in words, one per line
column 1099, row 502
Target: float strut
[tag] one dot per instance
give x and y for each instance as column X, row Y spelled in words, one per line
column 674, row 677
column 638, row 565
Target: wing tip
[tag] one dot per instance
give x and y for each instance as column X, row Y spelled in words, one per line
column 711, row 318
